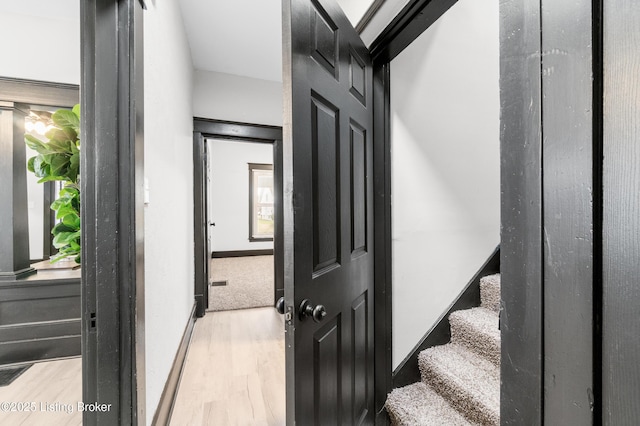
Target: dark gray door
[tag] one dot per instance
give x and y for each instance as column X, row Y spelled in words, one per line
column 328, row 217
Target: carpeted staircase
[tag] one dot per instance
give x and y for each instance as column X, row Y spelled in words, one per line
column 460, row 380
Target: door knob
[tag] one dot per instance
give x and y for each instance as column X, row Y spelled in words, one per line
column 317, row 312
column 280, row 306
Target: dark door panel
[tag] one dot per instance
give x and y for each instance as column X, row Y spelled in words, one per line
column 328, row 207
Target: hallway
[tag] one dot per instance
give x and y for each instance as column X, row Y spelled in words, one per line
column 234, row 372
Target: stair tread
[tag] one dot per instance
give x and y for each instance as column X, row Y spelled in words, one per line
column 470, row 382
column 419, row 405
column 490, row 292
column 477, row 329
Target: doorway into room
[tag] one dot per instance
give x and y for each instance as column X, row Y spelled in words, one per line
column 241, row 222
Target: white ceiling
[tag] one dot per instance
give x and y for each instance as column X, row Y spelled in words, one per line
column 243, row 37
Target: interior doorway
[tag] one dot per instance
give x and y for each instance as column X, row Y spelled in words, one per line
column 241, row 223
column 232, row 229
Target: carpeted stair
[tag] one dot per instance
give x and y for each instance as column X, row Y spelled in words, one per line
column 460, row 380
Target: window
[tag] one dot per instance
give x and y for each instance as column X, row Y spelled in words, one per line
column 261, row 211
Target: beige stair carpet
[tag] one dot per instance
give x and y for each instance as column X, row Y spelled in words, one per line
column 460, row 380
column 419, row 405
column 249, row 283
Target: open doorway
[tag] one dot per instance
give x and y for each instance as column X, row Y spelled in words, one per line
column 234, row 230
column 234, row 370
column 241, row 218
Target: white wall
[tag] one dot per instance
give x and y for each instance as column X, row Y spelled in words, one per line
column 34, row 58
column 445, row 165
column 236, row 98
column 229, row 192
column 168, row 127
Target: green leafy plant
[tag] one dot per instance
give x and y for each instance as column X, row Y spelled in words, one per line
column 58, row 159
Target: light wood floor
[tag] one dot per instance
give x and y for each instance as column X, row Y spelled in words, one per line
column 54, row 386
column 235, row 371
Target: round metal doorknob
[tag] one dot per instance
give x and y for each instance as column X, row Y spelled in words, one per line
column 280, row 306
column 317, row 312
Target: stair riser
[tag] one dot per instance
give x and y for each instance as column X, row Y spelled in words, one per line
column 478, row 343
column 459, row 398
column 490, row 292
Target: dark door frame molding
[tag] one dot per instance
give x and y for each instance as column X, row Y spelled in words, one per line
column 113, row 357
column 204, row 128
column 36, row 92
column 534, row 301
column 413, row 20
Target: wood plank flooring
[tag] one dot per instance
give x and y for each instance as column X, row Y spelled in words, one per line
column 54, row 387
column 234, row 372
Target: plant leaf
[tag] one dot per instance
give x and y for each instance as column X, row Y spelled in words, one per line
column 66, row 118
column 51, row 178
column 40, row 166
column 36, row 144
column 59, row 165
column 62, row 134
column 61, row 228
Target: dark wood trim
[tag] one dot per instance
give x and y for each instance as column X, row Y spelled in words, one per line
column 413, row 20
column 567, row 167
column 521, row 248
column 170, row 391
column 113, row 370
column 598, row 212
column 201, row 246
column 40, row 317
column 278, row 244
column 235, row 130
column 368, row 15
column 204, row 128
column 620, row 227
column 14, row 234
column 241, row 253
column 440, row 334
column 382, row 238
column 34, row 92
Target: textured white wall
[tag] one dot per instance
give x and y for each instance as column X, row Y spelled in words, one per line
column 229, row 192
column 168, row 136
column 49, row 48
column 236, row 98
column 445, row 165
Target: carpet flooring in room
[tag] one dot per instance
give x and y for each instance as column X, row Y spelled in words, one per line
column 249, row 283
